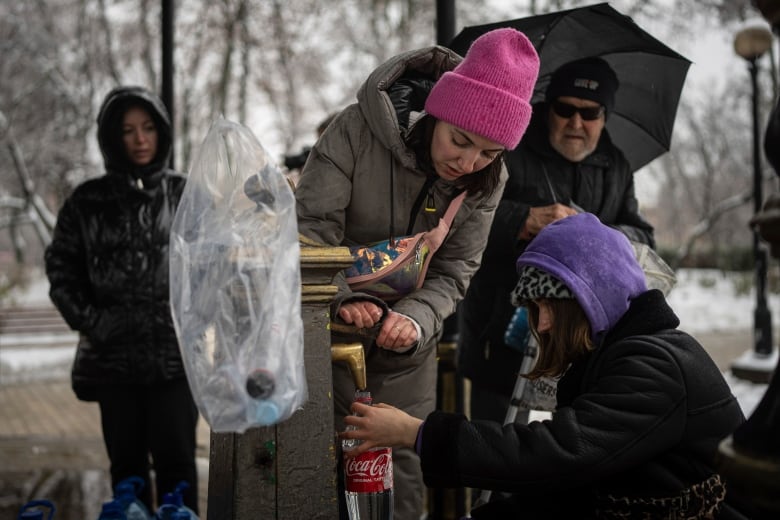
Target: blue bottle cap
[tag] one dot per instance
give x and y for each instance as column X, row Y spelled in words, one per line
column 36, row 514
column 112, row 510
column 174, row 499
column 135, row 484
column 266, row 412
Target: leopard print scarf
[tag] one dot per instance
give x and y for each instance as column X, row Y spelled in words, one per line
column 534, row 283
column 700, row 501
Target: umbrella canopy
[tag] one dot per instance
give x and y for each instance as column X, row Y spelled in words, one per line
column 651, row 74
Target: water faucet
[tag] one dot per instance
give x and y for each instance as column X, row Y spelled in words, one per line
column 355, row 357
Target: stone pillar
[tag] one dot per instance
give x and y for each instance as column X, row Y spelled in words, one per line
column 288, row 471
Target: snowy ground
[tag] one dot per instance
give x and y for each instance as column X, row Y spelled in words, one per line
column 706, row 301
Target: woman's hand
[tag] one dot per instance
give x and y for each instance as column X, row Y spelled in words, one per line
column 380, row 425
column 397, row 333
column 361, row 313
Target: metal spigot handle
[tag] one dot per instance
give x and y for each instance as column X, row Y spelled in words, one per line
column 355, row 357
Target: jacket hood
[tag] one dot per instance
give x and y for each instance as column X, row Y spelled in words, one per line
column 596, row 262
column 376, row 104
column 109, row 122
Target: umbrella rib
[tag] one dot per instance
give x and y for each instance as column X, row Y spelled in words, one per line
column 547, row 31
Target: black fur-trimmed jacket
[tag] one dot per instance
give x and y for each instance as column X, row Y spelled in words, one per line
column 107, row 263
column 640, row 417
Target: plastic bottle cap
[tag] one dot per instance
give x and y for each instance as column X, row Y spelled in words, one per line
column 36, row 514
column 174, row 499
column 266, row 413
column 112, row 510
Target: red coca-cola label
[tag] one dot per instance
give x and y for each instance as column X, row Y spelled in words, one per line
column 370, row 472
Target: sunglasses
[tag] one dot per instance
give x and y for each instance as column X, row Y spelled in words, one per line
column 586, row 113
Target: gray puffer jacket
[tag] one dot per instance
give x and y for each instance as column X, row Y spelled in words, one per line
column 344, row 198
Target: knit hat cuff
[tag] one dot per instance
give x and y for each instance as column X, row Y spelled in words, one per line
column 587, row 78
column 489, row 112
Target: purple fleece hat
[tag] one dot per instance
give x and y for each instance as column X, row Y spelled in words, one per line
column 596, row 262
column 488, row 93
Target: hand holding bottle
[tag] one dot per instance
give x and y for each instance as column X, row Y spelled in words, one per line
column 368, row 474
column 379, row 425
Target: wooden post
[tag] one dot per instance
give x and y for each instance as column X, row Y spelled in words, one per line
column 288, row 471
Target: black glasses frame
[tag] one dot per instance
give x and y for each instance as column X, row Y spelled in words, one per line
column 586, row 113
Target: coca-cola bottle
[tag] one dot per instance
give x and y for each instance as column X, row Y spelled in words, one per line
column 368, row 478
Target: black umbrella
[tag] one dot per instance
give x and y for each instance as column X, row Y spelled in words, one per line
column 651, row 74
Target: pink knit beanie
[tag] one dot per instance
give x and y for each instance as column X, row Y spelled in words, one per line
column 488, row 93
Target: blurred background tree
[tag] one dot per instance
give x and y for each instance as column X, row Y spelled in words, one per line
column 281, row 66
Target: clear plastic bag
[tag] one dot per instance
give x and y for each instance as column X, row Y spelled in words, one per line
column 658, row 274
column 236, row 286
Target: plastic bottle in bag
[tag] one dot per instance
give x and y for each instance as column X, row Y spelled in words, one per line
column 126, row 492
column 235, row 284
column 368, row 478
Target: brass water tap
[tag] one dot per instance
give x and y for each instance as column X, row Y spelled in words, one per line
column 355, row 357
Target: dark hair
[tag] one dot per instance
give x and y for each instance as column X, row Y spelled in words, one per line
column 116, row 125
column 567, row 341
column 483, row 181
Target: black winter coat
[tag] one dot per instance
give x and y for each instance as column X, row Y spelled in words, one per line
column 601, row 184
column 641, row 416
column 107, row 263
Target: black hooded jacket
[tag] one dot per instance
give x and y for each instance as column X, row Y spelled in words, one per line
column 641, row 416
column 107, row 263
column 602, row 184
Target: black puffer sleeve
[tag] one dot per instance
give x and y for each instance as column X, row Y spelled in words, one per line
column 66, row 268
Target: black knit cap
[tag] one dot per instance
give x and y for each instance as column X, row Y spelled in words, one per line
column 586, row 78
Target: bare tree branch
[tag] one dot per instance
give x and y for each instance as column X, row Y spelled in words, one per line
column 707, row 223
column 43, row 219
column 106, row 27
column 147, row 40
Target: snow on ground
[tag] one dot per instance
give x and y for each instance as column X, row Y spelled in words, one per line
column 34, row 294
column 707, row 300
